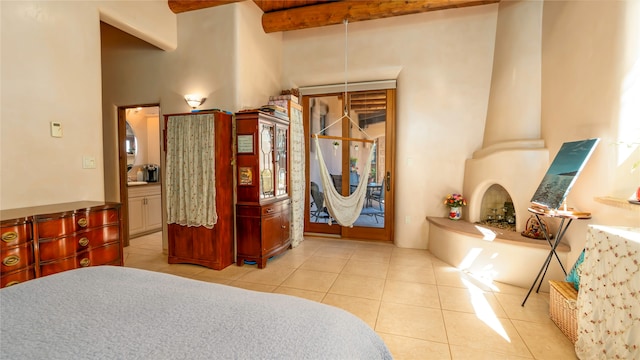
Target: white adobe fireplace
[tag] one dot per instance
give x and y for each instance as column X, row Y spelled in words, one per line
column 513, row 155
column 513, row 160
column 517, row 166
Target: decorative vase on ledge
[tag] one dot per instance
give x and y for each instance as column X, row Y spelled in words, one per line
column 455, row 212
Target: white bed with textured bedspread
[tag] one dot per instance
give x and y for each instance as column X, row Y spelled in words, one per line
column 123, row 313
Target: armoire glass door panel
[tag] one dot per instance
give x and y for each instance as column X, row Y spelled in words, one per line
column 281, row 154
column 267, row 181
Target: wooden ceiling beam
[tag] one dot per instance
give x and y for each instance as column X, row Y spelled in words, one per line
column 302, row 14
column 276, row 5
column 180, row 6
column 333, row 13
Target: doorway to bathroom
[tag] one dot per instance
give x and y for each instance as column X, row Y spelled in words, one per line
column 139, row 144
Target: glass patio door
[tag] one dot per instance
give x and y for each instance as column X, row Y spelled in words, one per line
column 372, row 118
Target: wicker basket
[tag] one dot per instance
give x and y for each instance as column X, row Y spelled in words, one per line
column 562, row 307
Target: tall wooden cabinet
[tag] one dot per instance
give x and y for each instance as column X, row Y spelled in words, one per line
column 199, row 245
column 45, row 240
column 263, row 206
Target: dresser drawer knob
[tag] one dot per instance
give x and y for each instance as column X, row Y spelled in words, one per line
column 9, row 236
column 11, row 283
column 85, row 262
column 83, row 241
column 11, row 260
column 82, row 222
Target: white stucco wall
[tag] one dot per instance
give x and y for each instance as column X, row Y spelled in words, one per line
column 590, row 88
column 204, row 62
column 50, row 71
column 258, row 59
column 442, row 62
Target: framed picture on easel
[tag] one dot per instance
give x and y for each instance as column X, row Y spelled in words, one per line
column 563, row 172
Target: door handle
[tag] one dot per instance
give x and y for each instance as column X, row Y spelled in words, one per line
column 388, row 181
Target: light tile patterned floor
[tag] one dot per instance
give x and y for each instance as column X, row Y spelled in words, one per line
column 421, row 307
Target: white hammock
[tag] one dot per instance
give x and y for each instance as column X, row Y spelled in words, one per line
column 344, row 209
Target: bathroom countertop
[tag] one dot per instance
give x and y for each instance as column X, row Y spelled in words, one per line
column 135, row 184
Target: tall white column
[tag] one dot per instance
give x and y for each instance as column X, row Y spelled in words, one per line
column 514, row 101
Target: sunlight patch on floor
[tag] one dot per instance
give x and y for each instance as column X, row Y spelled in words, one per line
column 487, row 274
column 484, row 311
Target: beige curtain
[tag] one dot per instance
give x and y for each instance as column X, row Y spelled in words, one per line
column 297, row 177
column 191, row 190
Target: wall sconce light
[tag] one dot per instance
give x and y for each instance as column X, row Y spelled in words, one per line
column 356, row 147
column 194, row 100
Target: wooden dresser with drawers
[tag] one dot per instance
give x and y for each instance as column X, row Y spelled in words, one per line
column 44, row 240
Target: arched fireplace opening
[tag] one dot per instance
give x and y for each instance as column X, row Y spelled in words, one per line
column 497, row 208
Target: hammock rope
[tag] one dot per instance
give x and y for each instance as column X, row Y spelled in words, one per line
column 344, row 209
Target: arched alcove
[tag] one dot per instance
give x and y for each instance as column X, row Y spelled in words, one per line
column 496, row 208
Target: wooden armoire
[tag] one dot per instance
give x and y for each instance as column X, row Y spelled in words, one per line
column 263, row 209
column 213, row 248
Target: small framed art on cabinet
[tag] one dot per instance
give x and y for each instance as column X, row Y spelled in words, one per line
column 245, row 176
column 245, row 144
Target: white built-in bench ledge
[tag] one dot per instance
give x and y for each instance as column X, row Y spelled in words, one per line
column 487, row 233
column 492, row 253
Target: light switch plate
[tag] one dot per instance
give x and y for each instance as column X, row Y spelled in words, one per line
column 56, row 129
column 88, row 162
